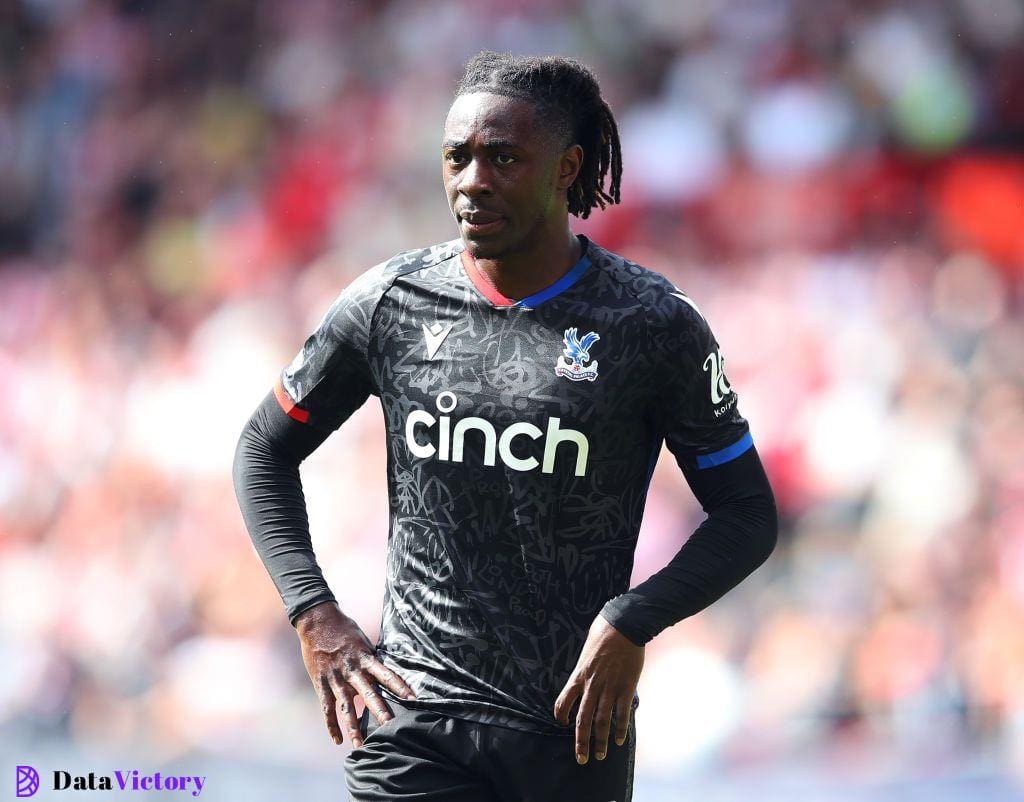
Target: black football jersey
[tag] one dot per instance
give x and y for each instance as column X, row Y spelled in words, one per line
column 521, row 439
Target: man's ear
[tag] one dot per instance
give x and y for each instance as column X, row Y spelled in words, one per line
column 569, row 164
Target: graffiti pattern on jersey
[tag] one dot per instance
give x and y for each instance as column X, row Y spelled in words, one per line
column 515, row 495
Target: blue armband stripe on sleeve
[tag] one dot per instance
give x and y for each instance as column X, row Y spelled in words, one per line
column 726, row 454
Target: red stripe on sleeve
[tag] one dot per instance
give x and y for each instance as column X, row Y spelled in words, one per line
column 301, row 415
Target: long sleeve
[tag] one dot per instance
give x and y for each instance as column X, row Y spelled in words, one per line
column 269, row 492
column 697, row 413
column 736, row 537
column 329, row 378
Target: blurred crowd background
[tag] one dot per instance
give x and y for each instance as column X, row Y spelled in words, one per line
column 184, row 188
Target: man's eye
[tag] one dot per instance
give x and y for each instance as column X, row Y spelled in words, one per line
column 504, row 158
column 454, row 158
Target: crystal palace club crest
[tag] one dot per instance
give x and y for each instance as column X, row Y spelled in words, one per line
column 572, row 363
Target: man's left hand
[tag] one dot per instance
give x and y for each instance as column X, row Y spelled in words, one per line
column 605, row 677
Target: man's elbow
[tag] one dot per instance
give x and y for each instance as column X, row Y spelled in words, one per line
column 255, row 453
column 767, row 532
column 241, row 464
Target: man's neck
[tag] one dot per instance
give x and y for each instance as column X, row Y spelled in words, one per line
column 522, row 274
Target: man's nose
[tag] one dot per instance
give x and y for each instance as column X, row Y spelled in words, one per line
column 475, row 178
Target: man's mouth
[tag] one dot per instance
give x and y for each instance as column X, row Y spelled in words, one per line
column 475, row 223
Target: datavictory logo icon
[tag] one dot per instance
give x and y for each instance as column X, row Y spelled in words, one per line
column 27, row 781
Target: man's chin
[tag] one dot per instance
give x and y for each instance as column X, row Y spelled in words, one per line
column 485, row 248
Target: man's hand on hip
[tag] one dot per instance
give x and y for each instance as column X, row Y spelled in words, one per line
column 342, row 665
column 604, row 680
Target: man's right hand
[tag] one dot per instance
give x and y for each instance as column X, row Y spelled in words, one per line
column 341, row 663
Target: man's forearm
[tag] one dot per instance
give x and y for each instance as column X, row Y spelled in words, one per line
column 737, row 536
column 269, row 492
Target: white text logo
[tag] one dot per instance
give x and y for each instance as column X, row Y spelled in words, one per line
column 719, row 386
column 451, row 440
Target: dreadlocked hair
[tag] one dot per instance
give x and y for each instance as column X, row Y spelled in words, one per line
column 568, row 101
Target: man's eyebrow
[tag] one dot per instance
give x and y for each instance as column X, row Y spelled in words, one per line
column 490, row 144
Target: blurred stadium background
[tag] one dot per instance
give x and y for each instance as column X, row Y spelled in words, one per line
column 839, row 185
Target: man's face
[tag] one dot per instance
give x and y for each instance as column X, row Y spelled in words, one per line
column 502, row 172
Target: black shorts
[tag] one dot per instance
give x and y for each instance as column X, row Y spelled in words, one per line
column 428, row 756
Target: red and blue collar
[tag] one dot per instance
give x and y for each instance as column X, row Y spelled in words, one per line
column 492, row 294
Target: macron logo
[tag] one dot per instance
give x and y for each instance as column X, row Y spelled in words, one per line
column 434, row 335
